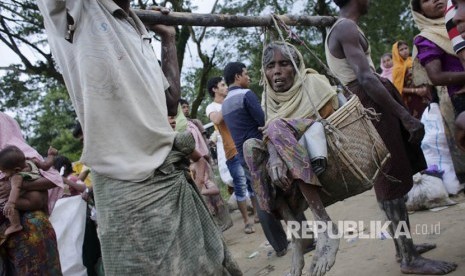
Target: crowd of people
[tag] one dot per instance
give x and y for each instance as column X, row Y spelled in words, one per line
column 153, row 205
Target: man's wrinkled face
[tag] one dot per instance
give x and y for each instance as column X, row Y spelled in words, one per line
column 280, row 72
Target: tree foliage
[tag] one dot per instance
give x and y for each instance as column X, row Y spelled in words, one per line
column 34, row 90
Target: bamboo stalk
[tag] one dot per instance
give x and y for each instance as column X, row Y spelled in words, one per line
column 230, row 21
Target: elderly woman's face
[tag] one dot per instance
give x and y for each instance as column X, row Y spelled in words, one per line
column 280, row 72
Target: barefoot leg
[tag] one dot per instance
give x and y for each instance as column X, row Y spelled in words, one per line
column 411, row 261
column 326, row 248
column 298, row 243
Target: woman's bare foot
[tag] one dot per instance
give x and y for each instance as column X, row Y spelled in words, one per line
column 424, row 266
column 13, row 228
column 325, row 255
column 420, row 248
column 297, row 257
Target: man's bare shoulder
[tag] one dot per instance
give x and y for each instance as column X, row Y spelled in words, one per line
column 346, row 25
column 345, row 31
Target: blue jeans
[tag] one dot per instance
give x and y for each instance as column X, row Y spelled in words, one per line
column 240, row 181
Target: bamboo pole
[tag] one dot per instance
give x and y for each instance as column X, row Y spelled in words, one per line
column 230, row 21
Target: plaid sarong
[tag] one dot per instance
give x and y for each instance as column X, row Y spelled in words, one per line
column 159, row 226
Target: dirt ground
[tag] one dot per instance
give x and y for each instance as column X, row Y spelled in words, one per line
column 358, row 257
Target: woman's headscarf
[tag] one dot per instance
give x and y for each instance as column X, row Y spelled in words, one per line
column 435, row 31
column 400, row 67
column 181, row 120
column 10, row 134
column 309, row 86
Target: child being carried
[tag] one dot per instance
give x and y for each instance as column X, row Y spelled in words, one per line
column 17, row 169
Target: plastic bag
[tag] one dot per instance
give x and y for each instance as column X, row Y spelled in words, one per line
column 427, row 192
column 222, row 167
column 232, row 203
column 436, row 149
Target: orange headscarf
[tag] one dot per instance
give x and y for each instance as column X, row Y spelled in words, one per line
column 400, row 67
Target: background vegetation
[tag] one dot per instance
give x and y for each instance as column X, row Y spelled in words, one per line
column 34, row 89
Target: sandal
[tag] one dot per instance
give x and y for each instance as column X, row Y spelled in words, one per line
column 248, row 229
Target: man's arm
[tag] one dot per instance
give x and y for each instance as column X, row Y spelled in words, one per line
column 254, row 108
column 216, row 117
column 347, row 35
column 169, row 65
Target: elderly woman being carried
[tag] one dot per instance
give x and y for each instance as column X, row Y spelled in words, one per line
column 284, row 177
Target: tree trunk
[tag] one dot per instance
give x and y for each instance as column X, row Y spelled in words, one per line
column 229, row 21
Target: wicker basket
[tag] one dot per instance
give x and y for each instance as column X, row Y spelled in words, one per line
column 356, row 153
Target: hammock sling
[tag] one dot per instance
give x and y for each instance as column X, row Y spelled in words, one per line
column 356, row 152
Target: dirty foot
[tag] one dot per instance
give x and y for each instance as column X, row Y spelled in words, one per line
column 227, row 225
column 420, row 248
column 325, row 255
column 297, row 257
column 248, row 229
column 13, row 228
column 423, row 266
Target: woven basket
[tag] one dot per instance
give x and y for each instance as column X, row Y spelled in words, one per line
column 356, row 153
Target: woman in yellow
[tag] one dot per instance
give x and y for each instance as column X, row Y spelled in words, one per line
column 415, row 98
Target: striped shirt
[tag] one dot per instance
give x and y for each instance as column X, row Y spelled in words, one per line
column 457, row 41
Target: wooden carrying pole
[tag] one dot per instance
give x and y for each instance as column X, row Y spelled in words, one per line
column 230, row 21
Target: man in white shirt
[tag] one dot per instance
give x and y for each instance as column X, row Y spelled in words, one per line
column 218, row 91
column 151, row 220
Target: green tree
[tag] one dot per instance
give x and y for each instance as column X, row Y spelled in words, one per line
column 387, row 22
column 31, row 87
column 34, row 89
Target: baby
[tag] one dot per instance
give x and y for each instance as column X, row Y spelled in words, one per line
column 16, row 168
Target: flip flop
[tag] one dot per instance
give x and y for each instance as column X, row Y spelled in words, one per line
column 248, row 229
